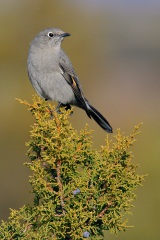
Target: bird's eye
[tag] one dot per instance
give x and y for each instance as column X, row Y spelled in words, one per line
column 50, row 34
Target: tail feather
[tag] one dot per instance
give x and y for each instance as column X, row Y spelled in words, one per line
column 103, row 123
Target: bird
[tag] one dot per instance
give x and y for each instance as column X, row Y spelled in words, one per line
column 53, row 77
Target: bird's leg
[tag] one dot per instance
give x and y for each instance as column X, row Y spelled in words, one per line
column 66, row 106
column 58, row 108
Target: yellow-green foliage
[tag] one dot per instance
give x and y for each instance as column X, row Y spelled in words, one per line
column 77, row 188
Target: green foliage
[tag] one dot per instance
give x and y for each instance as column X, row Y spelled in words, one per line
column 78, row 190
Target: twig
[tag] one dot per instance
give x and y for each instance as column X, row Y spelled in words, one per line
column 60, row 184
column 103, row 211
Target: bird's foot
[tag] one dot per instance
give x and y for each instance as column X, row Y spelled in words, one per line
column 66, row 106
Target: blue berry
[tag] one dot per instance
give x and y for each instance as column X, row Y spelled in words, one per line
column 86, row 234
column 76, row 191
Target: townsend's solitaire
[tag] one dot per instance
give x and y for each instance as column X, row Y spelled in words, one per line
column 53, row 76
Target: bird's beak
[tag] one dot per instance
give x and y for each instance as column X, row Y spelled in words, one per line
column 65, row 34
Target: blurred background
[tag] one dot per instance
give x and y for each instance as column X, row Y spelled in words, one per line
column 115, row 49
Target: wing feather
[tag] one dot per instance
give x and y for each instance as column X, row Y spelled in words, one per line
column 70, row 76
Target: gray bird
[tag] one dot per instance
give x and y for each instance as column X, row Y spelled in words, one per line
column 53, row 76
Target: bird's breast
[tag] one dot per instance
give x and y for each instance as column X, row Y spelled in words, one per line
column 46, row 77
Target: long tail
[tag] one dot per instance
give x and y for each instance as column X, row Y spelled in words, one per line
column 103, row 123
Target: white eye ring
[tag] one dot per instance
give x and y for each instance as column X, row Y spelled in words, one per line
column 50, row 34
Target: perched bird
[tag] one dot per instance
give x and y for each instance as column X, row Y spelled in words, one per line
column 53, row 76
